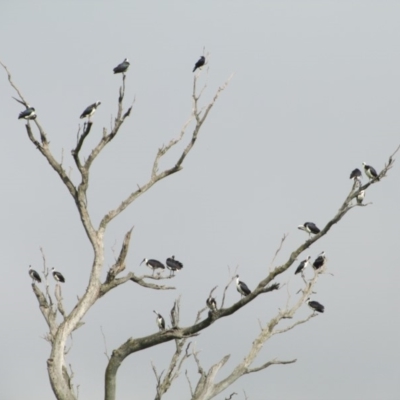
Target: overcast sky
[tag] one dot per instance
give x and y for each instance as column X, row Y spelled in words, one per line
column 315, row 93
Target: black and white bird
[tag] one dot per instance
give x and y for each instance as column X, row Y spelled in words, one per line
column 317, row 307
column 34, row 275
column 200, row 63
column 356, row 174
column 370, row 172
column 211, row 303
column 89, row 111
column 303, row 265
column 122, row 68
column 309, row 227
column 173, row 265
column 242, row 287
column 57, row 276
column 160, row 321
column 153, row 264
column 320, row 261
column 29, row 113
column 360, row 197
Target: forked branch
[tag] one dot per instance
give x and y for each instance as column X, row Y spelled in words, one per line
column 155, row 176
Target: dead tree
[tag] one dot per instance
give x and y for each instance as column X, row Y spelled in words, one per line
column 207, row 386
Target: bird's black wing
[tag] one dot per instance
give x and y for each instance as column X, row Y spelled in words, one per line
column 60, row 276
column 37, row 276
column 88, row 110
column 317, row 306
column 312, row 227
column 245, row 288
column 373, row 171
column 156, row 264
column 199, row 63
column 121, row 67
column 300, row 267
column 27, row 113
column 319, row 262
column 355, row 173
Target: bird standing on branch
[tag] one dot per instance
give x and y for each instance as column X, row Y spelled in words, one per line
column 90, row 110
column 309, row 227
column 303, row 265
column 29, row 113
column 370, row 172
column 57, row 276
column 160, row 321
column 211, row 303
column 319, row 262
column 242, row 287
column 173, row 265
column 317, row 307
column 199, row 63
column 153, row 264
column 34, row 275
column 122, row 68
column 355, row 174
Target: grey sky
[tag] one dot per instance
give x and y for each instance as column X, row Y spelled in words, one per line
column 315, row 93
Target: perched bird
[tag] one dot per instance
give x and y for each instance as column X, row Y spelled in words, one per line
column 200, row 63
column 360, row 197
column 303, row 265
column 34, row 275
column 122, row 68
column 211, row 303
column 309, row 227
column 89, row 111
column 315, row 305
column 319, row 262
column 355, row 174
column 29, row 113
column 370, row 172
column 153, row 264
column 242, row 287
column 57, row 276
column 160, row 321
column 173, row 265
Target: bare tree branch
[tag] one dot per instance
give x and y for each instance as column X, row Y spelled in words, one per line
column 106, row 287
column 119, row 266
column 268, row 364
column 204, row 388
column 178, row 166
column 278, row 250
column 226, row 288
column 59, row 298
column 81, row 139
column 105, row 344
column 189, row 383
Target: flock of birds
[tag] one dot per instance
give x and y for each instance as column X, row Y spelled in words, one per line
column 174, row 265
column 312, row 228
column 58, row 276
column 30, row 113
